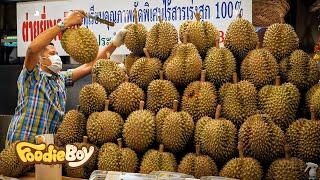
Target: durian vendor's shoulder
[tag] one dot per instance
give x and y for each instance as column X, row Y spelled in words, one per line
column 31, row 75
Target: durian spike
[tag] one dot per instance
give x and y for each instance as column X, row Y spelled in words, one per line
column 235, row 78
column 146, row 52
column 217, row 43
column 160, row 19
column 108, row 55
column 278, row 81
column 85, row 139
column 106, row 106
column 161, row 75
column 161, row 148
column 259, row 111
column 313, row 113
column 93, row 78
column 78, row 107
column 203, row 76
column 240, row 149
column 135, row 16
column 175, row 105
column 198, row 16
column 198, row 150
column 218, row 112
column 119, row 142
column 286, row 151
column 141, row 105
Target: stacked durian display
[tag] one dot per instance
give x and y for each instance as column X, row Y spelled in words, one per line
column 197, row 108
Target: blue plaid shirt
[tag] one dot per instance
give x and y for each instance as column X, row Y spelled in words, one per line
column 41, row 104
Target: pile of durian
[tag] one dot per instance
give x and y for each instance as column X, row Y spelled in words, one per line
column 238, row 111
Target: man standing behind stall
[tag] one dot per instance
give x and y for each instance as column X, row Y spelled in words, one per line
column 42, row 85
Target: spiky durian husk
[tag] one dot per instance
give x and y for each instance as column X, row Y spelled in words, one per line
column 313, row 98
column 241, row 37
column 103, row 127
column 287, row 169
column 239, row 101
column 201, row 124
column 280, row 103
column 198, row 166
column 219, row 140
column 184, row 65
column 135, row 38
column 161, row 94
column 202, row 34
column 73, row 128
column 139, row 130
column 85, row 170
column 220, row 65
column 154, row 160
column 145, row 70
column 281, row 40
column 245, row 168
column 11, row 165
column 161, row 38
column 126, row 98
column 108, row 74
column 182, row 125
column 160, row 117
column 81, row 44
column 199, row 99
column 92, row 98
column 261, row 138
column 303, row 137
column 114, row 158
column 300, row 70
column 259, row 67
column 183, row 29
column 129, row 61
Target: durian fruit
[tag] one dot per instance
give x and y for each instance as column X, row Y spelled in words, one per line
column 184, row 29
column 181, row 123
column 300, row 70
column 201, row 33
column 139, row 130
column 239, row 100
column 105, row 126
column 145, row 70
column 200, row 98
column 220, row 65
column 198, row 165
column 73, row 127
column 160, row 94
column 92, row 98
column 241, row 37
column 154, row 160
column 261, row 139
column 135, row 38
column 85, row 170
column 219, row 139
column 126, row 98
column 184, row 64
column 81, row 44
column 280, row 102
column 313, row 98
column 244, row 168
column 201, row 124
column 281, row 40
column 288, row 168
column 108, row 74
column 259, row 67
column 113, row 157
column 10, row 164
column 161, row 38
column 129, row 61
column 303, row 138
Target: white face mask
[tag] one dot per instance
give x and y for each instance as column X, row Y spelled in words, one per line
column 56, row 63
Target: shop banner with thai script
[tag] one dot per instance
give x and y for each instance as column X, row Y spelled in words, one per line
column 35, row 17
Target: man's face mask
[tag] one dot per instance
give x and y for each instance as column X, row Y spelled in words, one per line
column 56, row 63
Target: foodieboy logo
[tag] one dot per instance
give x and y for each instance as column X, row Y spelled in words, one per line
column 30, row 153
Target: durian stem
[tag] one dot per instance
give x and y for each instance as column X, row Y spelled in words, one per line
column 198, row 151
column 278, row 81
column 108, row 55
column 106, row 106
column 160, row 19
column 78, row 107
column 185, row 39
column 119, row 142
column 85, row 139
column 146, row 52
column 141, row 105
column 175, row 105
column 126, row 78
column 258, row 46
column 313, row 113
column 240, row 149
column 286, row 151
column 161, row 75
column 198, row 16
column 239, row 15
column 93, row 78
column 235, row 78
column 218, row 112
column 217, row 43
column 203, row 76
column 161, row 148
column 281, row 18
column 135, row 16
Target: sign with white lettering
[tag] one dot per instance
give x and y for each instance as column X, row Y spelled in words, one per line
column 35, row 17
